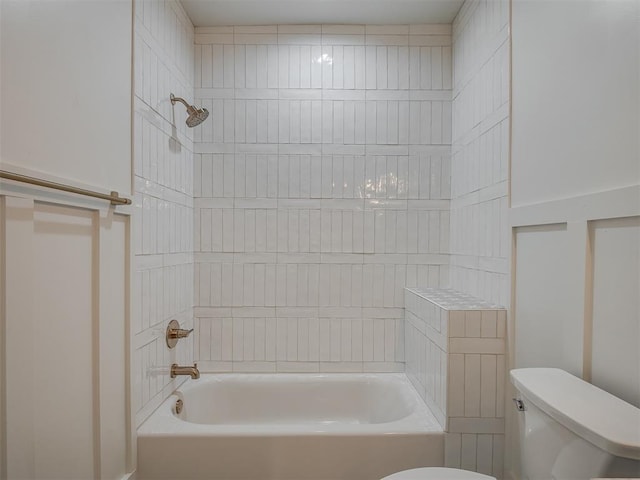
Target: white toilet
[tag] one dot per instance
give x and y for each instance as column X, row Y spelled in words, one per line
column 437, row 473
column 569, row 430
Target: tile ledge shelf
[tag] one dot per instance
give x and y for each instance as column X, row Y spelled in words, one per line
column 449, row 299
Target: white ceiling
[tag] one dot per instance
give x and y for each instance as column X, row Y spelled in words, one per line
column 206, row 13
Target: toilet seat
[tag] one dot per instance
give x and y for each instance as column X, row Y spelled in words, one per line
column 437, row 473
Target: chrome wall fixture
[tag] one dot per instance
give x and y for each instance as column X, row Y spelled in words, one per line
column 196, row 115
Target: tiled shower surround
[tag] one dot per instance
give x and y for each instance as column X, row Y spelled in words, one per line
column 322, row 186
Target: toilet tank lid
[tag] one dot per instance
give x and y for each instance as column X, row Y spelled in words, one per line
column 588, row 411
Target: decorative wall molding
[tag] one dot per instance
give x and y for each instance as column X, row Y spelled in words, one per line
column 615, row 203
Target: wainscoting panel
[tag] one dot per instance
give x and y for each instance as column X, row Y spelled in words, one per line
column 65, row 274
column 615, row 356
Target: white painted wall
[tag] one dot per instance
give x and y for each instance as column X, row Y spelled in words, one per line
column 66, row 110
column 576, row 78
column 589, row 120
column 66, row 88
column 575, row 185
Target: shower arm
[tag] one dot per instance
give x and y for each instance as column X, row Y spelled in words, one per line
column 175, row 99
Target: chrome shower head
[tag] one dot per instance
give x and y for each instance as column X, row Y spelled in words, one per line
column 196, row 115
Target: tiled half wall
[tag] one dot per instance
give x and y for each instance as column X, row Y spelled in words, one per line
column 455, row 358
column 322, row 186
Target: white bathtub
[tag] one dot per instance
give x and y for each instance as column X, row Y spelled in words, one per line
column 290, row 426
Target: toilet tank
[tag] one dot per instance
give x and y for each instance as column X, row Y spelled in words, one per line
column 570, row 429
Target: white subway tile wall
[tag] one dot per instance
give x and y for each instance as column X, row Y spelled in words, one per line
column 480, row 239
column 455, row 358
column 322, row 187
column 163, row 222
column 482, row 452
column 426, row 364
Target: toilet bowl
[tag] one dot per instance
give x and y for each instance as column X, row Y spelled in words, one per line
column 437, row 473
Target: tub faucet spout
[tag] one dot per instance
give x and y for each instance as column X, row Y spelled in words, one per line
column 193, row 372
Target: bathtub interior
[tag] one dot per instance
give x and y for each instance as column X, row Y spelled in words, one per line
column 297, row 398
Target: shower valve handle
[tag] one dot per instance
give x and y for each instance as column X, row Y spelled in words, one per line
column 175, row 333
column 179, row 333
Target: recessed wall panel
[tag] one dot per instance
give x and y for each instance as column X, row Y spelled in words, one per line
column 114, row 287
column 63, row 250
column 3, row 358
column 616, row 307
column 549, row 324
